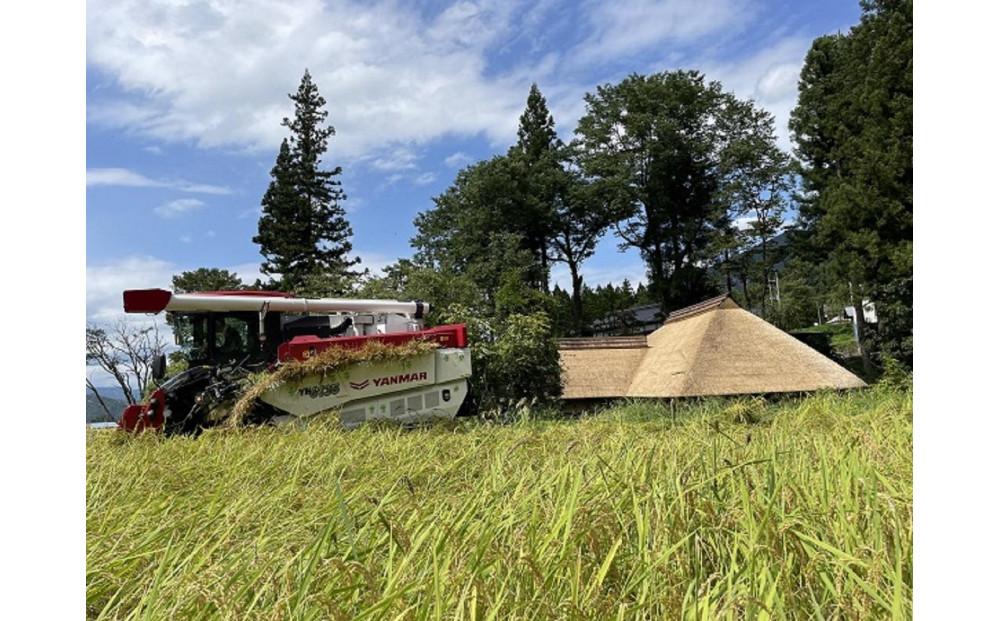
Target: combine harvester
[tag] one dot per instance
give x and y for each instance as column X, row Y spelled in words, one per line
column 228, row 335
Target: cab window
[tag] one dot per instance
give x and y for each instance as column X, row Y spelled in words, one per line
column 233, row 338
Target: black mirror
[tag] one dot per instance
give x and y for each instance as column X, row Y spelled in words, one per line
column 159, row 366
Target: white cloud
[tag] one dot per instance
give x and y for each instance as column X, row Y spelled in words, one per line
column 457, row 159
column 122, row 177
column 425, row 178
column 106, row 282
column 399, row 159
column 626, row 27
column 395, row 75
column 218, row 74
column 177, row 207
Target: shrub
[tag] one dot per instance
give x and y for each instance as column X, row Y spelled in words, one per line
column 513, row 360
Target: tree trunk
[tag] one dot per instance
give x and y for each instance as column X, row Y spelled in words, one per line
column 577, row 298
column 746, row 290
column 658, row 277
column 729, row 275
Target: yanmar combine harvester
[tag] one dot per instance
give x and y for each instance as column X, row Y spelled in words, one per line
column 228, row 335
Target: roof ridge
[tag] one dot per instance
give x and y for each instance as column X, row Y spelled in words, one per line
column 603, row 342
column 699, row 307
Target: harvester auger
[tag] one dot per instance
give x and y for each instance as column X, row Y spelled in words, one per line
column 226, row 336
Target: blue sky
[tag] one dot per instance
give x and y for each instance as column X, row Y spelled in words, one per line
column 185, row 100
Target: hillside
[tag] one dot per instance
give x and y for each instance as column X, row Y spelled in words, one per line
column 112, row 398
column 712, row 509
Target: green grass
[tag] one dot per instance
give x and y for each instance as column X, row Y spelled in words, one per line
column 734, row 510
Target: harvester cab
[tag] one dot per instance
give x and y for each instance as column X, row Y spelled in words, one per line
column 225, row 336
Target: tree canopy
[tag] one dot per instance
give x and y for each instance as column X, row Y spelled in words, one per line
column 665, row 151
column 853, row 135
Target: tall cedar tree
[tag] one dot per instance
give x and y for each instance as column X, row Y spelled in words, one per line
column 537, row 175
column 651, row 144
column 303, row 232
column 853, row 134
column 494, row 202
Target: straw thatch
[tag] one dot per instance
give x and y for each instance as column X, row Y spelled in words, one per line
column 711, row 348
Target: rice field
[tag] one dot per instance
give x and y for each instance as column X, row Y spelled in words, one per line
column 707, row 510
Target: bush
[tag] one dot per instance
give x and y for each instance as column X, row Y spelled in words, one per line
column 513, row 360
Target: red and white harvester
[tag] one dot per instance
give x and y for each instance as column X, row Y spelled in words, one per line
column 228, row 335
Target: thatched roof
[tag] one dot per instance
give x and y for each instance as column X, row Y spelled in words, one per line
column 711, row 348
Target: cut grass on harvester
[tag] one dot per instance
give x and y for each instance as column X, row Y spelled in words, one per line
column 330, row 362
column 715, row 509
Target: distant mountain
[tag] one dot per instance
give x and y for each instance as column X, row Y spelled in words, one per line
column 112, row 397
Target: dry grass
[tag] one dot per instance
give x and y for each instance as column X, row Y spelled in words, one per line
column 710, row 510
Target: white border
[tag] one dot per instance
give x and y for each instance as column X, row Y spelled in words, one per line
column 42, row 224
column 957, row 435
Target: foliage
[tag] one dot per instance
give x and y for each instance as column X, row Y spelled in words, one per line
column 514, row 359
column 533, row 198
column 641, row 511
column 580, row 220
column 755, row 180
column 207, row 279
column 651, row 150
column 536, row 183
column 329, row 362
column 303, row 233
column 895, row 375
column 853, row 133
column 608, row 307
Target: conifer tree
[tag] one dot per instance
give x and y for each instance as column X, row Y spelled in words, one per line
column 537, row 175
column 303, row 231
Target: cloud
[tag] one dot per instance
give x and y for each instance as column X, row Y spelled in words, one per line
column 218, row 74
column 122, row 177
column 457, row 159
column 425, row 179
column 624, row 28
column 399, row 159
column 395, row 75
column 177, row 207
column 106, row 281
column 770, row 76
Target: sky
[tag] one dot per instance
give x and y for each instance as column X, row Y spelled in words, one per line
column 185, row 101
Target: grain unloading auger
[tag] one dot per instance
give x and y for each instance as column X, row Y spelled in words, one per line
column 226, row 336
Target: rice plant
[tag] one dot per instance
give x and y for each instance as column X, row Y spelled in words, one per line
column 717, row 509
